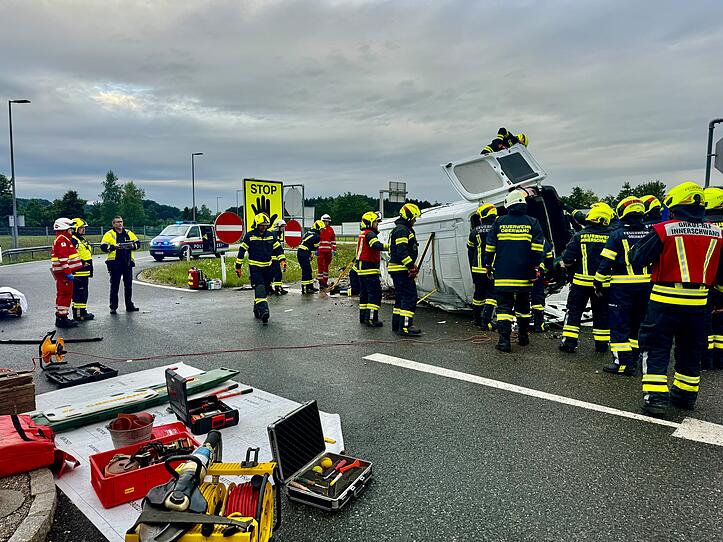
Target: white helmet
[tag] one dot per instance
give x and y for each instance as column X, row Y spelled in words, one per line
column 326, row 217
column 279, row 223
column 515, row 197
column 63, row 224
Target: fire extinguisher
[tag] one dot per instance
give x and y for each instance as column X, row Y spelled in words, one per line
column 193, row 278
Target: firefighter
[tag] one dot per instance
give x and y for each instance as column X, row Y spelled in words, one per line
column 80, row 282
column 685, row 254
column 262, row 246
column 629, row 287
column 513, row 255
column 368, row 256
column 120, row 245
column 64, row 262
column 652, row 210
column 537, row 296
column 325, row 252
column 305, row 253
column 483, row 301
column 582, row 255
column 279, row 262
column 713, row 358
column 402, row 267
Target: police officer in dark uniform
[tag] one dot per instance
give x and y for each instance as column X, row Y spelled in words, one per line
column 685, row 254
column 513, row 255
column 305, row 253
column 402, row 267
column 262, row 246
column 629, row 287
column 483, row 301
column 582, row 254
column 368, row 257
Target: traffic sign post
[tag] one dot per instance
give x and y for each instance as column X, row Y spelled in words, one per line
column 292, row 235
column 229, row 229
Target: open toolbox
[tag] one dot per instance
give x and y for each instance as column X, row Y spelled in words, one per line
column 126, row 487
column 200, row 415
column 309, row 473
column 65, row 376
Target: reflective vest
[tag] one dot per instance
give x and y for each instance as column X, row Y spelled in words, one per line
column 111, row 237
column 64, row 259
column 368, row 253
column 85, row 252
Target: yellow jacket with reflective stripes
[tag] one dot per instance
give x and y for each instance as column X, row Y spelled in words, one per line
column 112, row 239
column 85, row 252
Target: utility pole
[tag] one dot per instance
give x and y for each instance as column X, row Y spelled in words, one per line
column 12, row 169
column 193, row 182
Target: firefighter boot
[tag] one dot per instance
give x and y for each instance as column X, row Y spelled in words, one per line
column 280, row 290
column 487, row 323
column 538, row 321
column 265, row 316
column 656, row 404
column 395, row 322
column 684, row 400
column 503, row 344
column 64, row 322
column 568, row 345
column 523, row 337
column 621, row 369
column 363, row 316
column 85, row 315
column 310, row 289
column 406, row 327
column 373, row 320
column 601, row 347
column 477, row 317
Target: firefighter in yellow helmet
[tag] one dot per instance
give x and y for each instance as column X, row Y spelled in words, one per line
column 80, row 283
column 713, row 358
column 652, row 209
column 483, row 301
column 402, row 267
column 305, row 253
column 583, row 254
column 368, row 258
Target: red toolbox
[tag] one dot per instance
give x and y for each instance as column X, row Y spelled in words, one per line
column 135, row 484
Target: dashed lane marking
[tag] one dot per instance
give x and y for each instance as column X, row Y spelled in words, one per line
column 689, row 428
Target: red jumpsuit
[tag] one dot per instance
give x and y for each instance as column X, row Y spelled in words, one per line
column 64, row 260
column 327, row 246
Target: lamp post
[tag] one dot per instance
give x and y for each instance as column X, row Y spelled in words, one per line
column 238, row 209
column 193, row 182
column 12, row 169
column 217, row 198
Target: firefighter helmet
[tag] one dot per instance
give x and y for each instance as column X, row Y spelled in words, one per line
column 629, row 205
column 280, row 223
column 713, row 198
column 515, row 198
column 522, row 138
column 600, row 213
column 486, row 210
column 261, row 219
column 325, row 217
column 368, row 219
column 79, row 223
column 63, row 224
column 318, row 225
column 687, row 193
column 650, row 202
column 409, row 211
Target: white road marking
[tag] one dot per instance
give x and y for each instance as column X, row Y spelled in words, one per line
column 164, row 287
column 690, row 428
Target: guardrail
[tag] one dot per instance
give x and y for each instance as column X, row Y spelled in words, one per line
column 17, row 252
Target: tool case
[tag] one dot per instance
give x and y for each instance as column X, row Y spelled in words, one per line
column 65, row 376
column 200, row 415
column 297, row 443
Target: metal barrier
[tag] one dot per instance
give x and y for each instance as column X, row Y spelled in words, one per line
column 17, row 252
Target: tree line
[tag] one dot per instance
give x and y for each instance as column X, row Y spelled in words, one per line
column 583, row 199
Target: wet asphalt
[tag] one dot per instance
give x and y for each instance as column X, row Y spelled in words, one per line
column 453, row 460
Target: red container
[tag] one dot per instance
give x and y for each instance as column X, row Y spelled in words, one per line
column 123, row 488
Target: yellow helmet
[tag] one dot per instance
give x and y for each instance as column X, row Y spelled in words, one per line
column 79, row 223
column 319, row 225
column 522, row 138
column 630, row 205
column 261, row 219
column 409, row 211
column 368, row 219
column 687, row 193
column 713, row 198
column 650, row 202
column 486, row 210
column 600, row 213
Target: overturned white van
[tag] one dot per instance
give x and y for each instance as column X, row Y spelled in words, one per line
column 481, row 179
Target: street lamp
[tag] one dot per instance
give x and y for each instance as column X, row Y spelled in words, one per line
column 238, row 209
column 217, row 198
column 193, row 182
column 12, row 169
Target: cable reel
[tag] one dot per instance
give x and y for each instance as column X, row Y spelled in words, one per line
column 51, row 350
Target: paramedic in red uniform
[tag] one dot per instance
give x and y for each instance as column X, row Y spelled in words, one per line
column 685, row 254
column 64, row 261
column 326, row 250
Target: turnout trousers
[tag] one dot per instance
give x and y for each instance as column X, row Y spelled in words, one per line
column 304, row 257
column 513, row 303
column 405, row 300
column 483, row 301
column 261, row 279
column 323, row 261
column 713, row 358
column 370, row 297
column 63, row 296
column 576, row 303
column 627, row 304
column 354, row 282
column 80, row 295
column 663, row 323
column 278, row 276
column 118, row 272
column 537, row 302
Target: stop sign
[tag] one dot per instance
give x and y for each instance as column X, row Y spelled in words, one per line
column 292, row 236
column 229, row 227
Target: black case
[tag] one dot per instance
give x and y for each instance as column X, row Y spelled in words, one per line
column 65, row 376
column 182, row 407
column 297, row 442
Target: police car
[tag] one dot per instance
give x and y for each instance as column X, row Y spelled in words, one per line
column 186, row 239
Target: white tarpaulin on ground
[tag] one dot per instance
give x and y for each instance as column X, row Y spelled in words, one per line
column 19, row 295
column 256, row 411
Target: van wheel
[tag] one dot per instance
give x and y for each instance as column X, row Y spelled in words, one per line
column 158, row 258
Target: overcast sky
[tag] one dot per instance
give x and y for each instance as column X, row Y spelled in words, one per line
column 344, row 96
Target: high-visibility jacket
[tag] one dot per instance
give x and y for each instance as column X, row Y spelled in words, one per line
column 584, row 250
column 279, row 255
column 262, row 247
column 64, row 259
column 403, row 247
column 615, row 266
column 85, row 252
column 476, row 245
column 515, row 245
column 113, row 239
column 310, row 241
column 327, row 240
column 368, row 253
column 685, row 256
column 497, row 144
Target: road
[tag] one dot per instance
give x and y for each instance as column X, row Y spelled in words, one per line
column 456, row 457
